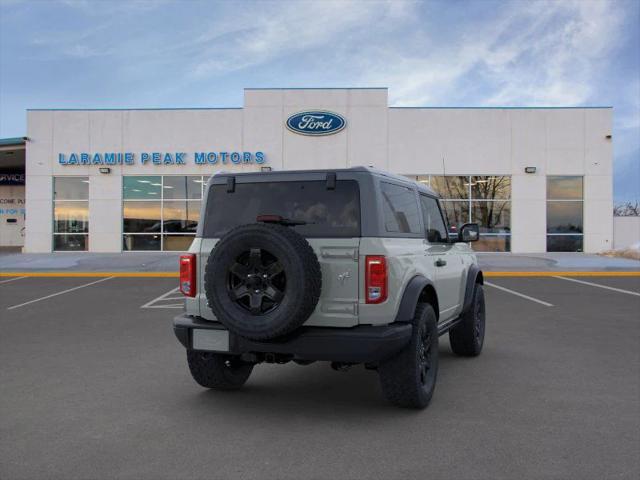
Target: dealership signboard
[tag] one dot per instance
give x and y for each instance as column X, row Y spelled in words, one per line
column 11, row 178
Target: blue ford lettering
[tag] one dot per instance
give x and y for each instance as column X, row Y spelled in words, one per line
column 316, row 122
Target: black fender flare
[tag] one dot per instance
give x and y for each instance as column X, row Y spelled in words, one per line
column 474, row 275
column 410, row 298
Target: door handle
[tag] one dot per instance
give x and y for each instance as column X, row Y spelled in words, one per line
column 440, row 262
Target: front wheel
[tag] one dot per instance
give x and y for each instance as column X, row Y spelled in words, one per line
column 218, row 371
column 409, row 378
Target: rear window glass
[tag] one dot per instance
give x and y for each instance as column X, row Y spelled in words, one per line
column 327, row 213
column 401, row 214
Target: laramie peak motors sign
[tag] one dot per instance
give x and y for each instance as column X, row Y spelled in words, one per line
column 161, row 158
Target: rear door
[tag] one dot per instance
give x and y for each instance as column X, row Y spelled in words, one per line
column 449, row 267
column 338, row 304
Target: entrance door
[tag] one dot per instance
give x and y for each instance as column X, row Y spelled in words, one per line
column 12, row 215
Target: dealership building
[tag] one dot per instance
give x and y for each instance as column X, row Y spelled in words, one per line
column 535, row 179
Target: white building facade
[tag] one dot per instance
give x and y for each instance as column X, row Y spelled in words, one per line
column 536, row 179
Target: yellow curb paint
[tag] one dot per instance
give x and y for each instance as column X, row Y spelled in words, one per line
column 563, row 274
column 92, row 274
column 176, row 274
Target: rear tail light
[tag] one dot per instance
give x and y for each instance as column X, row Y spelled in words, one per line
column 188, row 275
column 375, row 279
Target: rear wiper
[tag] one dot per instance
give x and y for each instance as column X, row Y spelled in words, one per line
column 287, row 222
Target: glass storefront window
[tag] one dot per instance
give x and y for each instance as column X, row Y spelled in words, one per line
column 182, row 187
column 490, row 187
column 161, row 212
column 70, row 213
column 177, row 243
column 564, row 217
column 180, row 216
column 493, row 243
column 564, row 243
column 141, row 187
column 71, row 217
column 71, row 188
column 453, row 187
column 140, row 242
column 564, row 214
column 564, row 188
column 141, row 217
column 493, row 217
column 69, row 243
column 482, row 199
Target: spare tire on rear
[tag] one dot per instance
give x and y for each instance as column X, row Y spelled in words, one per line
column 262, row 281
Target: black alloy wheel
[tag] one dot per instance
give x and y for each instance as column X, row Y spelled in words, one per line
column 257, row 281
column 424, row 356
column 479, row 321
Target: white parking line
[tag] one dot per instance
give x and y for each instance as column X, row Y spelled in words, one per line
column 157, row 302
column 628, row 292
column 59, row 293
column 12, row 280
column 513, row 292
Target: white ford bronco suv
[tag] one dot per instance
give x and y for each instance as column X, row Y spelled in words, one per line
column 347, row 266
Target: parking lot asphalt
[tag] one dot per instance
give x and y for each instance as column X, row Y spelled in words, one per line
column 94, row 386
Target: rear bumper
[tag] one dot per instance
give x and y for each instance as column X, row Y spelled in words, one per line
column 361, row 344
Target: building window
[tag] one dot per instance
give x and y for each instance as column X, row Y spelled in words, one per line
column 564, row 214
column 482, row 199
column 70, row 213
column 161, row 212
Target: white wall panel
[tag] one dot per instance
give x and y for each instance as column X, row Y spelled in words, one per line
column 70, row 135
column 39, row 225
column 39, row 155
column 528, row 140
column 367, row 137
column 262, row 131
column 565, row 141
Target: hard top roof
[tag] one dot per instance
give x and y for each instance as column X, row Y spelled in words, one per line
column 359, row 169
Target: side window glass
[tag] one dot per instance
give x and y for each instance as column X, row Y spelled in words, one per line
column 401, row 214
column 436, row 230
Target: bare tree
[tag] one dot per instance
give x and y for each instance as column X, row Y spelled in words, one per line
column 628, row 209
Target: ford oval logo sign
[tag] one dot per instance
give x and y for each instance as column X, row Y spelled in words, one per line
column 316, row 122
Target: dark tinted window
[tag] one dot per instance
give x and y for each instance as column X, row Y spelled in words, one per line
column 564, row 217
column 436, row 231
column 328, row 213
column 564, row 243
column 401, row 212
column 71, row 188
column 564, row 188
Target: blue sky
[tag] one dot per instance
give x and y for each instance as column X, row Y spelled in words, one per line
column 112, row 54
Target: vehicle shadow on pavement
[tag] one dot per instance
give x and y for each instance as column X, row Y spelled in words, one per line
column 315, row 390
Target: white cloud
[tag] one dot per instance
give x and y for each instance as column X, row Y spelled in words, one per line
column 276, row 30
column 540, row 53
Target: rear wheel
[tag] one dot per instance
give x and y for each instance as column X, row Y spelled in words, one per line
column 409, row 378
column 217, row 371
column 467, row 337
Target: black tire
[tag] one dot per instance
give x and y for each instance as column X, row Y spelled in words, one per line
column 217, row 371
column 467, row 337
column 262, row 281
column 409, row 378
